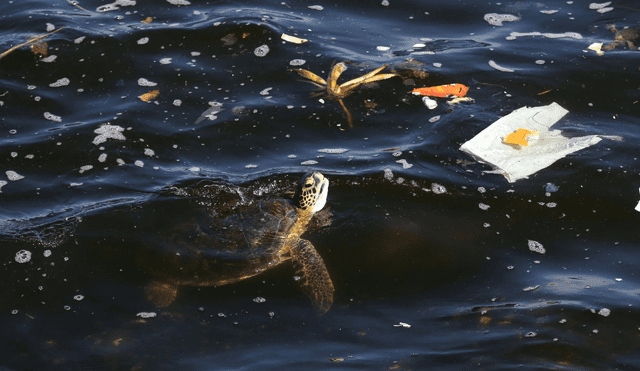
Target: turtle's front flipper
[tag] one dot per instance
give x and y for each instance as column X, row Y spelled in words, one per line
column 314, row 278
column 161, row 294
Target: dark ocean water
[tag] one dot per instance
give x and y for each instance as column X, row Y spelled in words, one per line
column 229, row 129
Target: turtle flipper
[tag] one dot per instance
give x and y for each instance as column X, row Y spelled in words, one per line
column 161, row 294
column 314, row 277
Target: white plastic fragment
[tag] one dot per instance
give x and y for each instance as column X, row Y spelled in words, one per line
column 536, row 246
column 517, row 162
column 144, row 82
column 402, row 324
column 261, row 51
column 23, row 256
column 495, row 19
column 146, row 314
column 13, row 176
column 333, row 150
column 430, row 103
column 596, row 47
column 293, row 39
column 498, row 67
column 383, row 48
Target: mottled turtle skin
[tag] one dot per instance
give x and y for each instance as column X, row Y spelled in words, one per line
column 244, row 245
column 627, row 35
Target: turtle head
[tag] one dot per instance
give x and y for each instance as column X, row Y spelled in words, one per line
column 311, row 193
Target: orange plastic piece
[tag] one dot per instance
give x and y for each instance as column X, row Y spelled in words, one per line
column 442, row 91
column 149, row 96
column 518, row 137
column 147, row 20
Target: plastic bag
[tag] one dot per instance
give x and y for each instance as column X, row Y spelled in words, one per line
column 521, row 143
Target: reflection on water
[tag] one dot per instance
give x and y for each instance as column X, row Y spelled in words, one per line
column 129, row 123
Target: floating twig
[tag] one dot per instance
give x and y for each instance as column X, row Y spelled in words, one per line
column 29, row 42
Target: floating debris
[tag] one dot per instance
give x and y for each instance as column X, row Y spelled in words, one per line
column 383, row 48
column 402, row 324
column 405, row 164
column 429, row 103
column 51, row 117
column 604, row 312
column 602, row 7
column 149, row 152
column 153, row 94
column 291, row 39
column 147, row 20
column 46, row 253
column 62, row 82
column 115, row 5
column 211, row 112
column 85, row 168
column 177, row 102
column 13, row 176
column 265, row 91
column 498, row 67
column 178, row 2
column 139, row 163
column 483, row 206
column 251, row 166
column 261, row 51
column 316, row 7
column 144, row 82
column 23, row 256
column 259, row 300
column 146, row 314
column 530, row 288
column 596, row 47
column 34, row 40
column 495, row 19
column 434, row 119
column 438, row 188
column 297, row 62
column 309, row 162
column 638, row 205
column 78, row 297
column 2, row 184
column 530, row 334
column 143, row 41
column 548, row 11
column 549, row 35
column 442, row 91
column 49, row 59
column 333, row 150
column 108, row 131
column 536, row 246
column 79, row 39
column 165, row 61
column 102, row 157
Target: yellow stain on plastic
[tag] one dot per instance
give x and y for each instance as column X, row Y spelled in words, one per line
column 518, row 137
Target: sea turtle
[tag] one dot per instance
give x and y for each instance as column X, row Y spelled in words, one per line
column 219, row 252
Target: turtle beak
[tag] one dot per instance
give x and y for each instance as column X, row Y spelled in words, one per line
column 323, row 190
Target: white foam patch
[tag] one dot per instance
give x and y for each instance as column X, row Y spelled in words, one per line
column 297, row 62
column 13, row 176
column 62, row 82
column 50, row 27
column 108, row 131
column 499, row 68
column 144, row 82
column 143, row 41
column 536, row 246
column 102, row 157
column 146, row 314
column 595, row 6
column 177, row 102
column 139, row 163
column 23, row 256
column 438, row 188
column 85, row 168
column 309, row 162
column 49, row 59
column 79, row 39
column 333, row 150
column 261, row 51
column 549, row 35
column 178, row 2
column 405, row 164
column 51, row 117
column 496, row 19
column 2, row 184
column 149, row 152
column 115, row 5
column 165, row 61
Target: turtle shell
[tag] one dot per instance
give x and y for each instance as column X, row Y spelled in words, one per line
column 210, row 252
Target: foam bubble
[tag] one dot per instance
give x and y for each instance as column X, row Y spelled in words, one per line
column 108, row 131
column 52, row 117
column 79, row 39
column 139, row 163
column 261, row 51
column 536, row 246
column 297, row 62
column 165, row 61
column 144, row 82
column 495, row 19
column 149, row 152
column 23, row 256
column 333, row 150
column 146, row 314
column 405, row 164
column 143, row 41
column 13, row 176
column 178, row 2
column 316, row 7
column 49, row 59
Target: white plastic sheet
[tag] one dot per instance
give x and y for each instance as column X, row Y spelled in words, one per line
column 517, row 162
